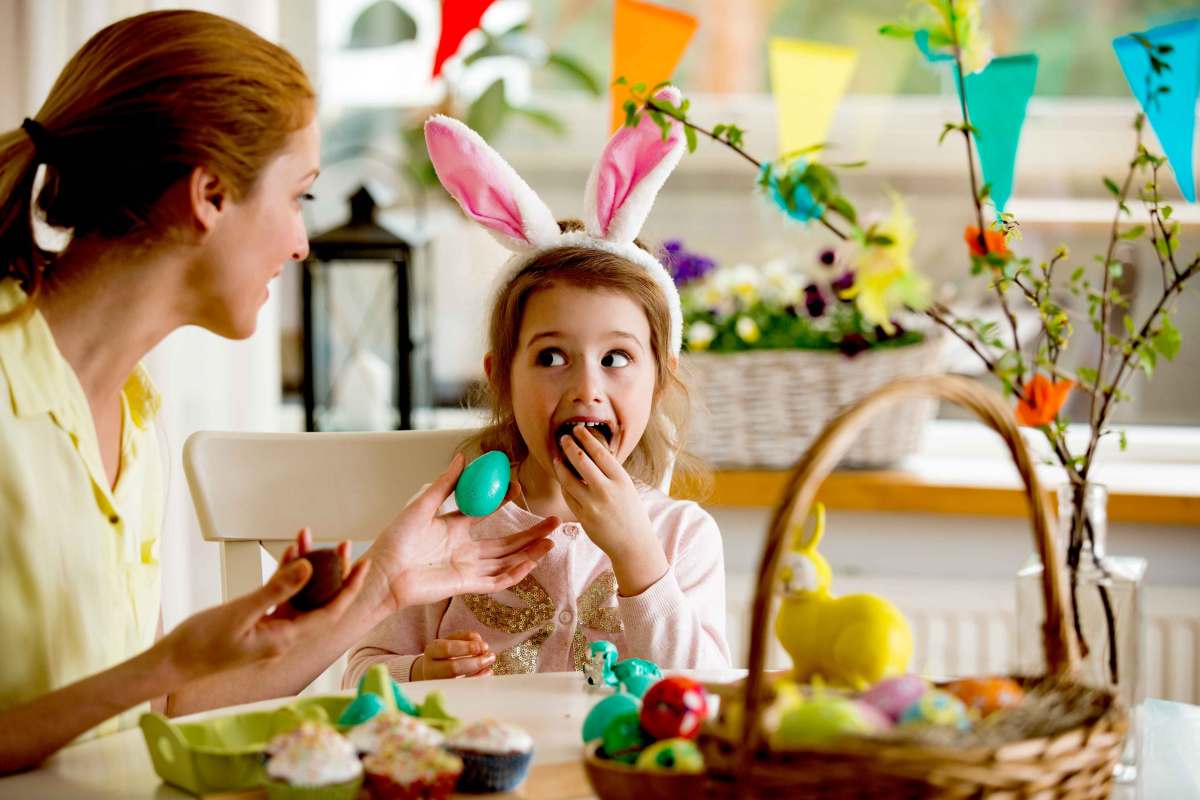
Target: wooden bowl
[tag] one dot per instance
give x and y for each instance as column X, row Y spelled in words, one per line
column 612, row 780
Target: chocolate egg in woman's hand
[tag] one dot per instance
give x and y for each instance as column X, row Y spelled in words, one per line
column 324, row 583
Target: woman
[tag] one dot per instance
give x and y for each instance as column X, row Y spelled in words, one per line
column 177, row 147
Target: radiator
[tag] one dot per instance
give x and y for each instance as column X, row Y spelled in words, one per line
column 968, row 628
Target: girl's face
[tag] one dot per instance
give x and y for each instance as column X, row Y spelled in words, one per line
column 254, row 239
column 583, row 355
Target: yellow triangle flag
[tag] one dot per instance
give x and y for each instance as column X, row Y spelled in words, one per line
column 808, row 80
column 648, row 41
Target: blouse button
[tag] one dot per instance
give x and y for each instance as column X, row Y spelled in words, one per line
column 564, row 617
column 113, row 519
column 571, row 529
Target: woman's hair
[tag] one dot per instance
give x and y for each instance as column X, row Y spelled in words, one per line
column 661, row 446
column 144, row 102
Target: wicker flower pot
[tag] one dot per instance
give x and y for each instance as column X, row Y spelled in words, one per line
column 1065, row 750
column 763, row 408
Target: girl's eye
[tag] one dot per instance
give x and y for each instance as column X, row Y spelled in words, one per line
column 550, row 358
column 615, row 358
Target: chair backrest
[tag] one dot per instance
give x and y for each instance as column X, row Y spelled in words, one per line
column 257, row 490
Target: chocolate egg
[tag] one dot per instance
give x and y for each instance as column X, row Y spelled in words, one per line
column 483, row 484
column 987, row 695
column 323, row 584
column 606, row 711
column 893, row 695
column 624, row 738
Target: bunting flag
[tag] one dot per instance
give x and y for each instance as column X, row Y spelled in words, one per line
column 808, row 80
column 648, row 41
column 459, row 17
column 997, row 96
column 1165, row 79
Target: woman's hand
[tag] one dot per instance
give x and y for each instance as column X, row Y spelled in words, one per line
column 609, row 506
column 260, row 625
column 428, row 557
column 460, row 653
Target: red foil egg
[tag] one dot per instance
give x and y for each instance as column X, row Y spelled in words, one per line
column 674, row 708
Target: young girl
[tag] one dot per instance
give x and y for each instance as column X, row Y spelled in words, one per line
column 581, row 365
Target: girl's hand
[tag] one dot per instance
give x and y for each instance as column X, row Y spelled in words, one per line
column 609, row 506
column 460, row 653
column 428, row 557
column 257, row 626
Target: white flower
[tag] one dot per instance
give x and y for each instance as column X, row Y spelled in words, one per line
column 747, row 330
column 700, row 335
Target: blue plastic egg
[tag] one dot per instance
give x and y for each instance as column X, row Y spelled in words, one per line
column 606, row 711
column 364, row 707
column 937, row 707
column 483, row 484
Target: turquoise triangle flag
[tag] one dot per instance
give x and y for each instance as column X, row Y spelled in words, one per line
column 997, row 96
column 1165, row 83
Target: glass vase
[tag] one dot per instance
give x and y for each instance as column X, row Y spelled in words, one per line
column 1104, row 606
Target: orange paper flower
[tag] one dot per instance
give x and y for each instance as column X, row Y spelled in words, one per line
column 993, row 239
column 1041, row 400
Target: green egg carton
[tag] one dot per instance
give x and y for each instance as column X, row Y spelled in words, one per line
column 225, row 754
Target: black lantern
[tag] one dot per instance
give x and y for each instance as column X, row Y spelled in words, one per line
column 366, row 364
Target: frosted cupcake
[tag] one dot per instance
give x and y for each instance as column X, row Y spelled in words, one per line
column 496, row 756
column 410, row 772
column 313, row 762
column 393, row 726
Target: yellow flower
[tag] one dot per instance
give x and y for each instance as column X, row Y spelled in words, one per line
column 959, row 20
column 884, row 280
column 747, row 330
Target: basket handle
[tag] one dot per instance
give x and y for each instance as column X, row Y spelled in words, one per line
column 820, row 459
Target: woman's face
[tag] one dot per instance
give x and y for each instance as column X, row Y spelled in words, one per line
column 254, row 238
column 583, row 356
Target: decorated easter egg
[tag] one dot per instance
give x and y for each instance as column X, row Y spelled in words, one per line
column 483, row 484
column 893, row 695
column 324, row 582
column 987, row 695
column 606, row 711
column 363, row 708
column 674, row 708
column 671, row 755
column 936, row 707
column 876, row 720
column 624, row 738
column 819, row 720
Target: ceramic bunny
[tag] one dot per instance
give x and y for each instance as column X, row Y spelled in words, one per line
column 852, row 641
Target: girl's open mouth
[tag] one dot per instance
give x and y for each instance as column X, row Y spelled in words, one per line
column 601, row 430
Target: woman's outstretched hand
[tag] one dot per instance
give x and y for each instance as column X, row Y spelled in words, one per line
column 428, row 557
column 261, row 625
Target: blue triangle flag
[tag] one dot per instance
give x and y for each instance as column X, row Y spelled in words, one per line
column 1163, row 71
column 998, row 95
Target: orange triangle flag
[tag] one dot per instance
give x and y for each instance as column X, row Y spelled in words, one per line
column 648, row 41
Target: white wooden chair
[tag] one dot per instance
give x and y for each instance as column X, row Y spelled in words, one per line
column 255, row 491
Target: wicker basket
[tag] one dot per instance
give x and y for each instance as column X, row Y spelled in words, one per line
column 760, row 408
column 1068, row 762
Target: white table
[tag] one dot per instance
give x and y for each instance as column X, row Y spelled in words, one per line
column 551, row 707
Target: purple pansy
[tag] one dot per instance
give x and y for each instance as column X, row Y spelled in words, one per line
column 685, row 266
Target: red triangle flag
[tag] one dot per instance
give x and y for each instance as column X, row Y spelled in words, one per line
column 459, row 17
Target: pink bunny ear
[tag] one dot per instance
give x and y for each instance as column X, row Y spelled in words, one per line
column 631, row 171
column 487, row 188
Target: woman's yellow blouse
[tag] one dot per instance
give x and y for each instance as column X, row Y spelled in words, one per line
column 79, row 568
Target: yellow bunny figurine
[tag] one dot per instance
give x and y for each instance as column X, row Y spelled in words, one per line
column 852, row 641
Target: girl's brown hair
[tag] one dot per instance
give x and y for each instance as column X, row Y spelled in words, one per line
column 144, row 102
column 661, row 446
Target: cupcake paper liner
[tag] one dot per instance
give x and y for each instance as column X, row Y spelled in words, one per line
column 347, row 790
column 491, row 772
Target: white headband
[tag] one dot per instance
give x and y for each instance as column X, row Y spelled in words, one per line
column 620, row 192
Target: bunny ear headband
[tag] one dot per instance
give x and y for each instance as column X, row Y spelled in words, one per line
column 620, row 191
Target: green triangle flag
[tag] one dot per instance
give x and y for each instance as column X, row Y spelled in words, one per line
column 997, row 96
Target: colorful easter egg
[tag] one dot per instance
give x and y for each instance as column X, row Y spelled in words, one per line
column 483, row 484
column 937, row 707
column 606, row 711
column 818, row 721
column 893, row 695
column 876, row 720
column 363, row 708
column 671, row 755
column 674, row 708
column 624, row 738
column 987, row 695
